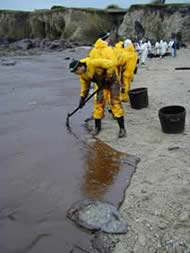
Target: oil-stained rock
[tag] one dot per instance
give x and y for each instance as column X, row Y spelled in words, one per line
column 97, row 216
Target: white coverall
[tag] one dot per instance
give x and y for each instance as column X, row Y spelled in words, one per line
column 127, row 42
column 149, row 47
column 144, row 52
column 163, row 48
column 157, row 48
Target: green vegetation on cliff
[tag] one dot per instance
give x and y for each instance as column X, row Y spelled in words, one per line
column 163, row 6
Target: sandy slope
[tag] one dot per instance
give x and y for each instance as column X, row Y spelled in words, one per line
column 157, row 203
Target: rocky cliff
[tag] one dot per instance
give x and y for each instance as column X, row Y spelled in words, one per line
column 83, row 25
column 157, row 21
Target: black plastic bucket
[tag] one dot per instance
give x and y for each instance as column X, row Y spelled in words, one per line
column 172, row 119
column 138, row 98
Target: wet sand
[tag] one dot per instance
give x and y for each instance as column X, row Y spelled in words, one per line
column 156, row 204
column 43, row 167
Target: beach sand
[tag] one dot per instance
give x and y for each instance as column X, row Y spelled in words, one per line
column 157, row 202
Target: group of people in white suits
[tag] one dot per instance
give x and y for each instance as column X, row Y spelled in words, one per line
column 159, row 49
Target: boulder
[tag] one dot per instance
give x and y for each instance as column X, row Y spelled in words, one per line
column 24, row 44
column 97, row 216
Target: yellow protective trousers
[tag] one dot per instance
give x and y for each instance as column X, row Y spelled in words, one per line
column 109, row 92
column 127, row 78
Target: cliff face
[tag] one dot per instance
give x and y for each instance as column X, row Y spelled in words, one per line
column 14, row 25
column 157, row 21
column 81, row 25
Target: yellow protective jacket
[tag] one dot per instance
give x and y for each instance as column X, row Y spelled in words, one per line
column 125, row 59
column 95, row 67
column 132, row 52
column 101, row 50
column 122, row 58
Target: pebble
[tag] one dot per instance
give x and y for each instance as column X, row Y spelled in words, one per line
column 142, row 239
column 184, row 216
column 8, row 63
column 162, row 226
column 173, row 148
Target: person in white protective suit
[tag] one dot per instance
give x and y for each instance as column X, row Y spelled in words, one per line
column 149, row 47
column 137, row 47
column 170, row 44
column 157, row 49
column 163, row 48
column 127, row 42
column 144, row 52
column 172, row 47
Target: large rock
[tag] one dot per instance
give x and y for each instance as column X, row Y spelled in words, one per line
column 4, row 43
column 157, row 21
column 98, row 216
column 24, row 44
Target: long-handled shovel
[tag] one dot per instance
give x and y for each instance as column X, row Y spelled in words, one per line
column 70, row 114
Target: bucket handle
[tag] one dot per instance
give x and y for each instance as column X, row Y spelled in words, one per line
column 174, row 120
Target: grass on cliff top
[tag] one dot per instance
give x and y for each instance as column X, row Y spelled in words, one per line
column 63, row 9
column 12, row 11
column 96, row 10
column 175, row 5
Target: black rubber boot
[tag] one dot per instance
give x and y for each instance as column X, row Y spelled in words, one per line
column 122, row 131
column 97, row 127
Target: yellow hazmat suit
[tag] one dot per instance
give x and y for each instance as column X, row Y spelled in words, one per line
column 126, row 63
column 134, row 57
column 102, row 72
column 101, row 50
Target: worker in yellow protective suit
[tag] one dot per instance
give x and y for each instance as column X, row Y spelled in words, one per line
column 103, row 73
column 102, row 50
column 130, row 49
column 126, row 63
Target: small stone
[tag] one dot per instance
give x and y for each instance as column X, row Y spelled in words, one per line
column 149, row 226
column 146, row 198
column 157, row 212
column 173, row 148
column 142, row 239
column 8, row 63
column 184, row 216
column 162, row 226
